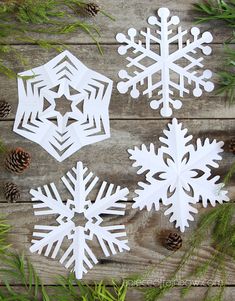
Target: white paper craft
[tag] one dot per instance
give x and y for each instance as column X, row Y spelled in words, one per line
column 158, row 68
column 79, row 256
column 86, row 91
column 179, row 174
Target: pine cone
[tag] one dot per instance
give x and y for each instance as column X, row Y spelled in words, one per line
column 5, row 109
column 232, row 146
column 173, row 241
column 17, row 160
column 11, row 192
column 92, row 9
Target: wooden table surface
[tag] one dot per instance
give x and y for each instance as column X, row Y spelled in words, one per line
column 132, row 123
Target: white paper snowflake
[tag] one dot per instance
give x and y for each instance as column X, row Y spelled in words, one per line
column 179, row 174
column 149, row 65
column 79, row 209
column 86, row 93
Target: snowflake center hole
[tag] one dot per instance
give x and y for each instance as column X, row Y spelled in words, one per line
column 63, row 105
column 79, row 219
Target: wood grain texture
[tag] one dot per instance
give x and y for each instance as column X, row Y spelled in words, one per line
column 209, row 105
column 195, row 294
column 143, row 230
column 132, row 123
column 134, row 13
column 109, row 159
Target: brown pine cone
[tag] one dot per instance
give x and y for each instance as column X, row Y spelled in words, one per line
column 232, row 146
column 17, row 160
column 92, row 9
column 11, row 192
column 5, row 109
column 173, row 241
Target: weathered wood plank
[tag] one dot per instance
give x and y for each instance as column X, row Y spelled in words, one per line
column 195, row 294
column 209, row 105
column 143, row 229
column 109, row 159
column 134, row 13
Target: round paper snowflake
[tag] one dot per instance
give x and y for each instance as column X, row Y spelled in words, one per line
column 147, row 65
column 179, row 174
column 85, row 92
column 79, row 220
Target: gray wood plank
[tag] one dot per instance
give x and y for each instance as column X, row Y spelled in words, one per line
column 134, row 13
column 195, row 294
column 147, row 253
column 109, row 159
column 209, row 105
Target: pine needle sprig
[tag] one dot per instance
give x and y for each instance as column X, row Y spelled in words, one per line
column 21, row 19
column 220, row 10
column 216, row 10
column 71, row 289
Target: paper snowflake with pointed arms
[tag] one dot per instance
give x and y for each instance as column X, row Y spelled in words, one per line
column 179, row 174
column 63, row 82
column 79, row 220
column 147, row 65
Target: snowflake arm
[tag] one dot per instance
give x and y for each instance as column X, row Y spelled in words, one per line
column 151, row 194
column 78, row 186
column 205, row 155
column 208, row 190
column 82, row 255
column 50, row 200
column 108, row 202
column 180, row 208
column 109, row 238
column 175, row 142
column 147, row 159
column 54, row 235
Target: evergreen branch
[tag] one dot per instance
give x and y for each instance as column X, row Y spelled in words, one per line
column 220, row 10
column 216, row 10
column 20, row 19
